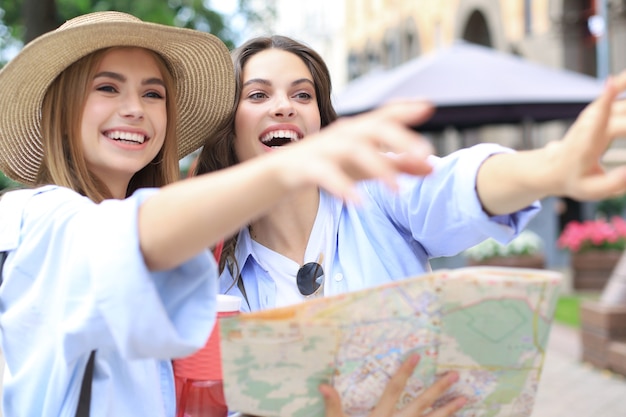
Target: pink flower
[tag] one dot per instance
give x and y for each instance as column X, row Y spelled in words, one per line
column 594, row 234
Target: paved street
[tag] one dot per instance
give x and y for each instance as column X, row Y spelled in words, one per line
column 569, row 388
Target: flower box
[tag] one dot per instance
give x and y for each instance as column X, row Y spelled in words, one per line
column 525, row 251
column 595, row 246
column 535, row 261
column 592, row 269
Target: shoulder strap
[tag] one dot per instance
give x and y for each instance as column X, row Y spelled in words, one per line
column 84, row 400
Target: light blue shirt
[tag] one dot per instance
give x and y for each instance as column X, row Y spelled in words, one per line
column 75, row 281
column 392, row 235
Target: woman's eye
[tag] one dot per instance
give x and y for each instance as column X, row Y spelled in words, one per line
column 154, row 94
column 257, row 96
column 106, row 88
column 304, row 96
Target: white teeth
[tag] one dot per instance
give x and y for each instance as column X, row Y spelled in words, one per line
column 290, row 134
column 131, row 137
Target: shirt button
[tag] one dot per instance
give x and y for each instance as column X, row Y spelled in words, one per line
column 338, row 277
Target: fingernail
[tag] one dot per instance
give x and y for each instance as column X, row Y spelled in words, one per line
column 452, row 376
column 324, row 391
column 414, row 359
column 460, row 402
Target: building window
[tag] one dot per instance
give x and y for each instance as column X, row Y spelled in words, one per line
column 354, row 67
column 392, row 49
column 410, row 41
column 528, row 17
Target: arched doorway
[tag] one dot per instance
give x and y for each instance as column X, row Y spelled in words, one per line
column 477, row 31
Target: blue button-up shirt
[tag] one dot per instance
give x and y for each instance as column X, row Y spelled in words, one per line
column 391, row 235
column 75, row 281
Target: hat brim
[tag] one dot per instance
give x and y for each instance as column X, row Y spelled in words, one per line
column 200, row 63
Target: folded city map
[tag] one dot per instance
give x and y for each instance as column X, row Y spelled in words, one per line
column 490, row 324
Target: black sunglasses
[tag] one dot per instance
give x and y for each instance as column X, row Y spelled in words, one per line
column 310, row 278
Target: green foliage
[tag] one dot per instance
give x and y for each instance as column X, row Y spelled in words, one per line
column 10, row 13
column 568, row 311
column 6, row 182
column 9, row 33
column 194, row 14
column 568, row 308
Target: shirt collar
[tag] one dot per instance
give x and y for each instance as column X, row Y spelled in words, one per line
column 243, row 250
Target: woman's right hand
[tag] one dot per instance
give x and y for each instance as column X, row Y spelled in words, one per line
column 356, row 148
column 420, row 406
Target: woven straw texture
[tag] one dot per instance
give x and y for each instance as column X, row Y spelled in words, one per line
column 199, row 61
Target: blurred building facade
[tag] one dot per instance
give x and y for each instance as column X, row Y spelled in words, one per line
column 357, row 36
column 556, row 33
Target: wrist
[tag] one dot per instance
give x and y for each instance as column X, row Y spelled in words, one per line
column 549, row 172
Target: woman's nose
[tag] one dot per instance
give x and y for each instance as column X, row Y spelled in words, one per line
column 283, row 108
column 131, row 107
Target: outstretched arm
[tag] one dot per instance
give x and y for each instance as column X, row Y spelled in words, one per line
column 184, row 218
column 570, row 167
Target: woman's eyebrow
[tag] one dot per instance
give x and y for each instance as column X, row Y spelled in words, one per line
column 268, row 83
column 110, row 74
column 257, row 81
column 122, row 78
column 303, row 80
column 153, row 81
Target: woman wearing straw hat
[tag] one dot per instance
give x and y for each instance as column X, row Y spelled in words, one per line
column 90, row 115
column 84, row 114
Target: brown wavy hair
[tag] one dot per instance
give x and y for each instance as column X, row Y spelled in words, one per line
column 219, row 150
column 64, row 161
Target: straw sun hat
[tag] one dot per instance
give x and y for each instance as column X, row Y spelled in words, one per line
column 200, row 63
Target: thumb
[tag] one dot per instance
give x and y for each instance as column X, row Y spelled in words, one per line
column 332, row 401
column 600, row 186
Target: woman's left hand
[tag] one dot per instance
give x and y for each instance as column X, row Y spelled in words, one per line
column 386, row 407
column 578, row 155
column 570, row 167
